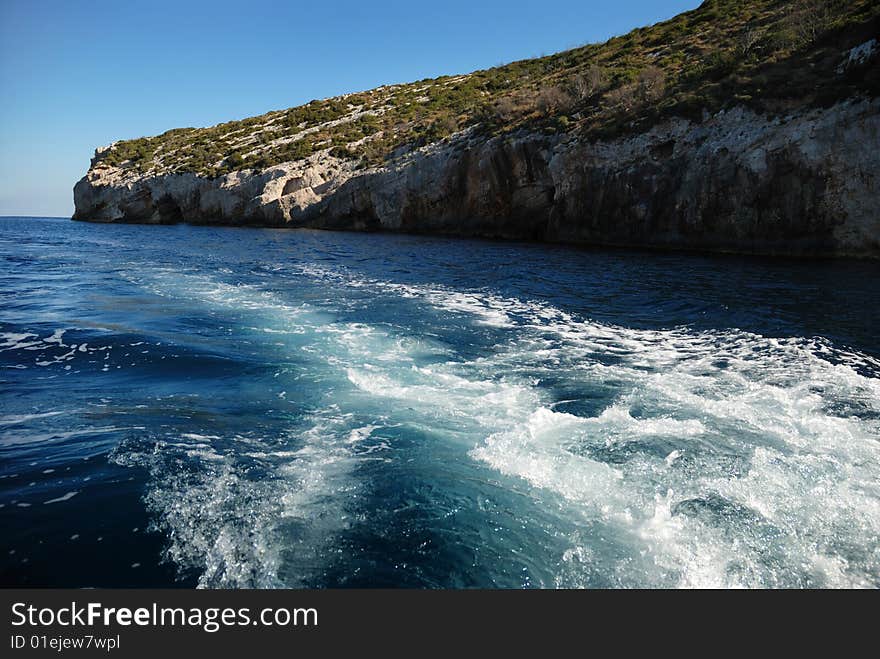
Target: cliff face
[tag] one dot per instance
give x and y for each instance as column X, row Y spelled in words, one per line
column 738, row 181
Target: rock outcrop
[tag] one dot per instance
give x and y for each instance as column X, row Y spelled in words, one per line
column 803, row 184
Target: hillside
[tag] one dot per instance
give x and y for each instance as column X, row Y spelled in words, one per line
column 769, row 55
column 745, row 126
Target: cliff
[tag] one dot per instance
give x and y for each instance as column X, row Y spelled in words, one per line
column 578, row 154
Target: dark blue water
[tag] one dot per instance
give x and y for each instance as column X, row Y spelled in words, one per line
column 240, row 407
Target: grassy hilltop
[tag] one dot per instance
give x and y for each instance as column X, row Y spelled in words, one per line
column 772, row 55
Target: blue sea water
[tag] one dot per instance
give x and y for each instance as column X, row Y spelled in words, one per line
column 222, row 407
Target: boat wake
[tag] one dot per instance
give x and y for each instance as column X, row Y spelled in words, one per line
column 573, row 453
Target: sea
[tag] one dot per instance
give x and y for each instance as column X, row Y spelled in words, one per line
column 191, row 406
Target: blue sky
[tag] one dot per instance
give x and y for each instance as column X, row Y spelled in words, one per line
column 77, row 74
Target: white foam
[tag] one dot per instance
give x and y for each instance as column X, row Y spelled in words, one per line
column 360, row 434
column 64, row 497
column 535, row 451
column 616, row 423
column 713, row 388
column 198, row 437
column 16, row 341
column 719, row 459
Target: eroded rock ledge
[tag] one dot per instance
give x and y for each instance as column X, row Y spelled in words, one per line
column 805, row 184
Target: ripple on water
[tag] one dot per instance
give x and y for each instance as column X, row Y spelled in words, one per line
column 399, row 417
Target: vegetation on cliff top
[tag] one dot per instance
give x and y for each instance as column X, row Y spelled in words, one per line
column 769, row 54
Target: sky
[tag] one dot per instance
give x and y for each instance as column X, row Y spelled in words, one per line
column 77, row 74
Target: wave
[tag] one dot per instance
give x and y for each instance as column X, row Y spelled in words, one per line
column 711, row 459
